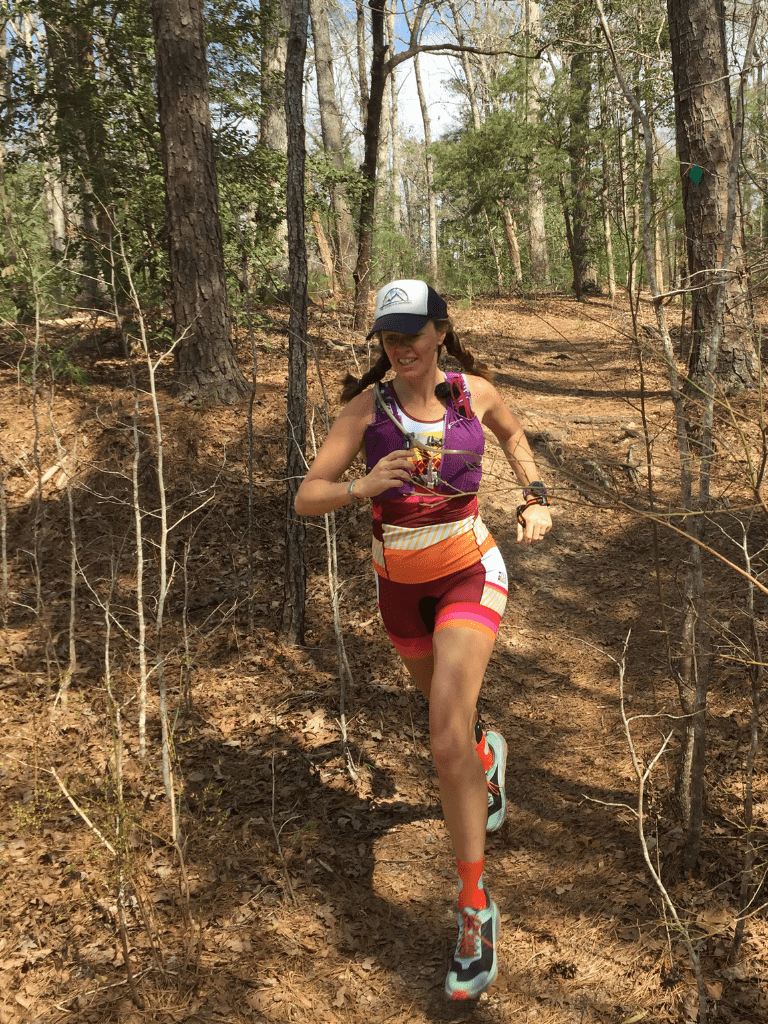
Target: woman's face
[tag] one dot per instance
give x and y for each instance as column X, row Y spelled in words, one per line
column 413, row 354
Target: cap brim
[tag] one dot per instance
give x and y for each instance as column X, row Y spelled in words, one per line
column 403, row 323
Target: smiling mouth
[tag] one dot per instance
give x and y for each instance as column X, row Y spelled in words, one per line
column 406, row 362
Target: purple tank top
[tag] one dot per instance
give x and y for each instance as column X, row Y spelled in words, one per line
column 463, row 433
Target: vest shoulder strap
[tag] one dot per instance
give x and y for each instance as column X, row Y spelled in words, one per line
column 461, row 397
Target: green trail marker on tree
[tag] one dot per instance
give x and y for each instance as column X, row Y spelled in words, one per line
column 696, row 173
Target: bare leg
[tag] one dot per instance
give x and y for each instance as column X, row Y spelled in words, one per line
column 460, row 660
column 421, row 670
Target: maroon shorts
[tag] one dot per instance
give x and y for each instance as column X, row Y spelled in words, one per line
column 472, row 598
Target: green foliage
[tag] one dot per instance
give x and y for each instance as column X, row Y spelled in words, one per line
column 252, row 205
column 394, row 254
column 235, row 31
column 31, row 273
column 56, row 363
column 515, row 141
column 755, row 178
column 325, row 177
column 82, row 104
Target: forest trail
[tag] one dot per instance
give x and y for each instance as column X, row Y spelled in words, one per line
column 316, row 896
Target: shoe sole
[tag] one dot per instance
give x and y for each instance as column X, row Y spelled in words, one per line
column 503, row 776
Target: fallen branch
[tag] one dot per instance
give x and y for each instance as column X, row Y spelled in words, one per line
column 81, row 812
column 39, row 484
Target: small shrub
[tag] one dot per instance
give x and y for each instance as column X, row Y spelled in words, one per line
column 57, row 363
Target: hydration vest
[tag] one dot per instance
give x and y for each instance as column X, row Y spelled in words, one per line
column 460, row 468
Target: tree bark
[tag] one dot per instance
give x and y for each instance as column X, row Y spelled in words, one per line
column 294, row 605
column 394, row 128
column 705, row 140
column 693, row 686
column 579, row 148
column 331, row 128
column 495, row 254
column 605, row 195
column 430, row 172
column 55, row 202
column 477, row 121
column 466, row 67
column 362, row 272
column 536, row 229
column 10, row 254
column 382, row 154
column 362, row 76
column 205, row 358
column 79, row 134
column 273, row 131
column 510, row 233
column 326, row 257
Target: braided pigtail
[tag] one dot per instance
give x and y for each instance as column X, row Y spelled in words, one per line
column 353, row 386
column 462, row 355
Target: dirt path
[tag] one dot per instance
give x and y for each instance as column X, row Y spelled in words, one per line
column 316, row 896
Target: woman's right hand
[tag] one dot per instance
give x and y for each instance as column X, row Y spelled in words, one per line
column 392, row 471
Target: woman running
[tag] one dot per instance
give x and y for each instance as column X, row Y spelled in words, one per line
column 441, row 581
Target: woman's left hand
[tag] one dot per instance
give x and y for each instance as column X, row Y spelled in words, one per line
column 538, row 523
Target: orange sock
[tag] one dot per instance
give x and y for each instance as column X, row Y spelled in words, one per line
column 485, row 752
column 471, row 891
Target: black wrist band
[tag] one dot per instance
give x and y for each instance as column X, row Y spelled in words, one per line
column 533, row 499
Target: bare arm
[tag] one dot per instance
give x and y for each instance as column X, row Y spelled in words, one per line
column 494, row 414
column 320, row 491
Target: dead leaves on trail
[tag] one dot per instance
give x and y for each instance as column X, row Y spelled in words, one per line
column 314, row 896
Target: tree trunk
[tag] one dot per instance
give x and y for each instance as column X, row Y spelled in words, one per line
column 296, row 413
column 761, row 99
column 56, row 205
column 693, row 685
column 495, row 254
column 659, row 212
column 705, row 141
column 368, row 198
column 362, row 76
column 394, row 127
column 510, row 233
column 430, row 171
column 273, row 132
column 466, row 68
column 579, row 148
column 608, row 237
column 10, row 250
column 79, row 133
column 569, row 236
column 205, row 359
column 536, row 228
column 605, row 197
column 635, row 217
column 331, row 128
column 478, row 123
column 326, row 258
column 382, row 153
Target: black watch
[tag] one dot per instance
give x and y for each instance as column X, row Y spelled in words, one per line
column 537, row 491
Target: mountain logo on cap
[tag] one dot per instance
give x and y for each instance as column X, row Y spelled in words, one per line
column 394, row 295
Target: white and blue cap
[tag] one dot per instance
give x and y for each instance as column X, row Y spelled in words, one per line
column 406, row 306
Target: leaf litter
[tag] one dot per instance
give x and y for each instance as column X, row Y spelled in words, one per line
column 313, row 896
